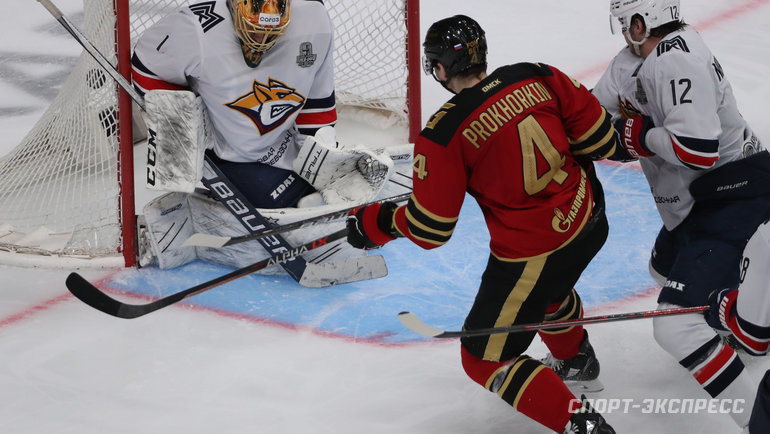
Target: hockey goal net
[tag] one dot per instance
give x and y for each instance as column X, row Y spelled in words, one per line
column 66, row 191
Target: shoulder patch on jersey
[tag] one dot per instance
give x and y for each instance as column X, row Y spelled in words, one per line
column 206, row 15
column 306, row 57
column 675, row 43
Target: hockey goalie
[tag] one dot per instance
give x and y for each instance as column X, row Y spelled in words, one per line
column 242, row 104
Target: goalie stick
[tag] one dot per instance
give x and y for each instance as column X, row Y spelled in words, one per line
column 214, row 241
column 415, row 324
column 96, row 298
column 310, row 275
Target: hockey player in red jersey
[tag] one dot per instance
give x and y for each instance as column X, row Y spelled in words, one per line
column 520, row 141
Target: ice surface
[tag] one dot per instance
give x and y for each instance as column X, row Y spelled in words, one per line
column 263, row 355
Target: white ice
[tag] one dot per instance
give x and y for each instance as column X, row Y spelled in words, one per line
column 65, row 368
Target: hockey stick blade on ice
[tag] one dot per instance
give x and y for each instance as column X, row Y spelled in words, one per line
column 415, row 324
column 205, row 240
column 96, row 298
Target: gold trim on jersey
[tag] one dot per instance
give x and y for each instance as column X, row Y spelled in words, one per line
column 607, row 139
column 427, row 226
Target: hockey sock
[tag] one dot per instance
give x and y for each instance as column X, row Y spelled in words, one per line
column 721, row 373
column 527, row 385
column 716, row 367
column 564, row 343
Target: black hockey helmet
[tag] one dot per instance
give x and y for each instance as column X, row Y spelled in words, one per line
column 459, row 43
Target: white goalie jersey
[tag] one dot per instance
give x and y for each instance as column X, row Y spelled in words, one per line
column 698, row 127
column 258, row 114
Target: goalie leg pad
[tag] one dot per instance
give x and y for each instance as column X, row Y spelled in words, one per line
column 211, row 217
column 169, row 223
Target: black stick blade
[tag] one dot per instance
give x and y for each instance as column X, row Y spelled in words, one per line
column 94, row 297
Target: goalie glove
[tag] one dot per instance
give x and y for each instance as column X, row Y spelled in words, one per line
column 342, row 173
column 371, row 227
column 632, row 134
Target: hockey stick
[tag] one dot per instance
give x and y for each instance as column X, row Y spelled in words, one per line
column 415, row 324
column 94, row 297
column 93, row 51
column 317, row 274
column 206, row 240
column 251, row 219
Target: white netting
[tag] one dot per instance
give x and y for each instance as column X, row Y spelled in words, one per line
column 59, row 187
column 59, row 191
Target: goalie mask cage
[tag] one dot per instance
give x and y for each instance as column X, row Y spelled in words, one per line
column 67, row 190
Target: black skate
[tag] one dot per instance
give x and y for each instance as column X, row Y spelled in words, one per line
column 579, row 373
column 587, row 421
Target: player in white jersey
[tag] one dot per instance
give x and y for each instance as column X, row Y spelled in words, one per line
column 708, row 173
column 260, row 102
column 254, row 80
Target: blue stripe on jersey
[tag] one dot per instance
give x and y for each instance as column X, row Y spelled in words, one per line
column 705, row 146
column 695, row 153
column 320, row 103
column 136, row 63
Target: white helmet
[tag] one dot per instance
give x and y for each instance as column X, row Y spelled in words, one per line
column 655, row 13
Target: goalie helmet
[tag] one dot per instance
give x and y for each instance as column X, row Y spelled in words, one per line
column 258, row 24
column 654, row 13
column 459, row 43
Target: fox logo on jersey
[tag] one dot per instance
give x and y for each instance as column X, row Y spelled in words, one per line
column 269, row 105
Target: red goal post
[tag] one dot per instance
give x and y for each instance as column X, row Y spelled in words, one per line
column 67, row 190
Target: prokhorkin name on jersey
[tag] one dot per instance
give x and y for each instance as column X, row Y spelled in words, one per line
column 662, row 405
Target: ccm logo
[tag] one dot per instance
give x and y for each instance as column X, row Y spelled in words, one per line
column 152, row 157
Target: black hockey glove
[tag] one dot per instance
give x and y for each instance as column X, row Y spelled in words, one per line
column 720, row 305
column 371, row 227
column 631, row 137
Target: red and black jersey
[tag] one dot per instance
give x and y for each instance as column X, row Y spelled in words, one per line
column 515, row 142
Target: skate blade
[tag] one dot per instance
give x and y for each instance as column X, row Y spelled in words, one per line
column 590, row 386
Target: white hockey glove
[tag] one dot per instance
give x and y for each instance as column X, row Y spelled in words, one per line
column 178, row 133
column 353, row 173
